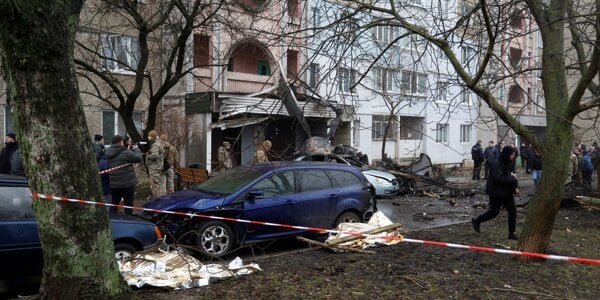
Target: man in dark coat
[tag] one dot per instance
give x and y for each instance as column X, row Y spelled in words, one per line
column 487, row 156
column 501, row 187
column 10, row 159
column 477, row 156
column 122, row 179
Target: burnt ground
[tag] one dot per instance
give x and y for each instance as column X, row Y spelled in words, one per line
column 410, row 270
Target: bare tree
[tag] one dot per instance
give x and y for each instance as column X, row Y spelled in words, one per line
column 569, row 76
column 37, row 40
column 131, row 54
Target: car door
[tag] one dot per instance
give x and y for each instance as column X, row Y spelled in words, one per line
column 20, row 252
column 318, row 196
column 354, row 193
column 278, row 204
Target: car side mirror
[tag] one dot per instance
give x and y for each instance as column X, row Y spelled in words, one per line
column 256, row 194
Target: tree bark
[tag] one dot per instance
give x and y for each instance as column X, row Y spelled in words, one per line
column 556, row 145
column 37, row 39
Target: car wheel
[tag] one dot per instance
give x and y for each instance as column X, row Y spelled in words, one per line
column 124, row 251
column 214, row 238
column 347, row 217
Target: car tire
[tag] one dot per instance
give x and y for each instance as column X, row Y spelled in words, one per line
column 347, row 217
column 124, row 251
column 214, row 239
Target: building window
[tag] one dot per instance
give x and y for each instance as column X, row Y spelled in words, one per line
column 112, row 124
column 347, row 80
column 313, row 75
column 410, row 128
column 414, row 2
column 379, row 123
column 515, row 95
column 292, row 63
column 441, row 135
column 515, row 57
column 443, row 8
column 501, row 93
column 293, row 8
column 413, row 83
column 386, row 34
column 539, row 103
column 466, row 54
column 316, row 15
column 8, row 122
column 517, row 20
column 466, row 96
column 442, row 91
column 263, row 68
column 347, row 28
column 121, row 53
column 201, row 50
column 465, row 133
column 386, row 80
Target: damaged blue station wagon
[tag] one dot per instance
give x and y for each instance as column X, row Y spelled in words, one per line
column 318, row 195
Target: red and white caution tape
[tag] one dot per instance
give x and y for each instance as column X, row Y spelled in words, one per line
column 321, row 230
column 113, row 168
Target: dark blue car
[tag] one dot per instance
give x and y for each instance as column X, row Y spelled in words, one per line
column 318, row 195
column 20, row 252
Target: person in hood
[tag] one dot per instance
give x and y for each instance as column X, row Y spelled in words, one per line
column 501, row 187
column 122, row 179
column 10, row 158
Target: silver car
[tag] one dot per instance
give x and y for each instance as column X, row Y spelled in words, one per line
column 385, row 184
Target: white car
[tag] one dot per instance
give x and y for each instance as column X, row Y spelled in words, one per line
column 385, row 184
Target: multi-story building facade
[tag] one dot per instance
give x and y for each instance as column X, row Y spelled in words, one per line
column 404, row 94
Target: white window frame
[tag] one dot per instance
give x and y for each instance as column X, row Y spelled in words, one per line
column 117, row 126
column 465, row 133
column 121, row 53
column 386, row 80
column 539, row 100
column 442, row 91
column 378, row 124
column 466, row 55
column 466, row 96
column 386, row 34
column 347, row 80
column 441, row 132
column 413, row 83
column 314, row 73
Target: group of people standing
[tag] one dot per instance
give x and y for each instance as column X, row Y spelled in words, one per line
column 161, row 159
column 224, row 156
column 581, row 167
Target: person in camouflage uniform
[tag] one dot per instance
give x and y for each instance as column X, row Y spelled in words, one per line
column 155, row 162
column 167, row 178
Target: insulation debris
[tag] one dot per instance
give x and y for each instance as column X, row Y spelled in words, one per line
column 378, row 231
column 178, row 270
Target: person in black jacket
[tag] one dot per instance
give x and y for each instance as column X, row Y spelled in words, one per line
column 122, row 179
column 477, row 156
column 487, row 156
column 501, row 187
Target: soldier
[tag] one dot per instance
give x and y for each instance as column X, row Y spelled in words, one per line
column 261, row 152
column 155, row 158
column 224, row 157
column 167, row 178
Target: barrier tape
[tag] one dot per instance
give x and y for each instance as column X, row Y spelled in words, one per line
column 114, row 168
column 321, row 230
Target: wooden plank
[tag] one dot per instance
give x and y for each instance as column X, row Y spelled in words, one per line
column 319, row 244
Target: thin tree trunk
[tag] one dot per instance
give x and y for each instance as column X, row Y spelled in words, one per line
column 36, row 40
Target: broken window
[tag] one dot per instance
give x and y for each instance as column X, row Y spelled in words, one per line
column 120, row 53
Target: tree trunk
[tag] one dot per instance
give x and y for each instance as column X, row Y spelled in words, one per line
column 539, row 223
column 37, row 40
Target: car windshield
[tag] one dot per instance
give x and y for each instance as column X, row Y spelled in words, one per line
column 229, row 181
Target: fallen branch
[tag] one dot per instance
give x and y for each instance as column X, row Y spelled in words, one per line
column 588, row 200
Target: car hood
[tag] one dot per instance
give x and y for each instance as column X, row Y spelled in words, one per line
column 377, row 173
column 185, row 199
